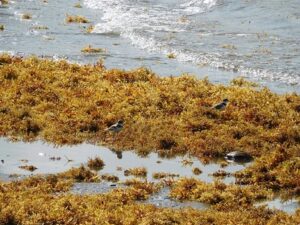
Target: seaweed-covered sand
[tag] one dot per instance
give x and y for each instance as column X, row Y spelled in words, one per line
column 63, row 103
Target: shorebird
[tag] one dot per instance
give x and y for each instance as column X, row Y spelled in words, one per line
column 117, row 127
column 240, row 157
column 221, row 105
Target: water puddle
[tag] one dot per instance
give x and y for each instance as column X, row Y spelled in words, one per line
column 289, row 206
column 49, row 160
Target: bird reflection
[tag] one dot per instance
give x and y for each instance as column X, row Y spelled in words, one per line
column 117, row 152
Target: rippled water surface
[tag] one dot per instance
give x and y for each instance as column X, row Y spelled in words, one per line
column 222, row 39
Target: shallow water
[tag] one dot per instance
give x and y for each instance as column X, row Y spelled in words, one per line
column 289, row 206
column 218, row 39
column 38, row 154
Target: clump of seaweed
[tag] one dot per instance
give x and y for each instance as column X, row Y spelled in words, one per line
column 96, row 163
column 171, row 56
column 76, row 19
column 161, row 175
column 90, row 49
column 224, row 164
column 197, row 171
column 138, row 171
column 110, row 178
column 217, row 192
column 78, row 5
column 40, row 27
column 90, row 29
column 277, row 170
column 30, row 168
column 221, row 174
column 187, row 162
column 26, row 16
column 1, row 27
column 80, row 174
column 141, row 190
column 4, row 2
column 229, row 46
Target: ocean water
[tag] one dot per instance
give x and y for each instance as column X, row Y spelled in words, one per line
column 221, row 39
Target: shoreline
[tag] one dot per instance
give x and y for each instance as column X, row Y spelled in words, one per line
column 166, row 164
column 30, row 37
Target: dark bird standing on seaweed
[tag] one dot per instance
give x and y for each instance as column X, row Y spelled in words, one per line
column 222, row 105
column 238, row 156
column 117, row 127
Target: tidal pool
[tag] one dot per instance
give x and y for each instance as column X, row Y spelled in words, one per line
column 288, row 206
column 50, row 159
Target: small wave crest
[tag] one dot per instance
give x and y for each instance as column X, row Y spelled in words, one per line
column 146, row 25
column 124, row 15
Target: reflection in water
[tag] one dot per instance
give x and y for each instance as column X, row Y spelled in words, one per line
column 42, row 156
column 117, row 152
column 49, row 159
column 289, row 206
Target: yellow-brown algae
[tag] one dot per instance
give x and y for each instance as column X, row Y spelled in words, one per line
column 138, row 171
column 217, row 192
column 76, row 19
column 197, row 171
column 221, row 174
column 39, row 200
column 26, row 16
column 77, row 5
column 90, row 49
column 171, row 56
column 80, row 174
column 30, row 168
column 142, row 189
column 110, row 178
column 90, row 29
column 96, row 163
column 4, row 2
column 39, row 27
column 187, row 162
column 161, row 175
column 64, row 103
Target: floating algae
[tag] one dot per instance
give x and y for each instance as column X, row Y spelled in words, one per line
column 30, row 168
column 26, row 16
column 90, row 49
column 76, row 19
